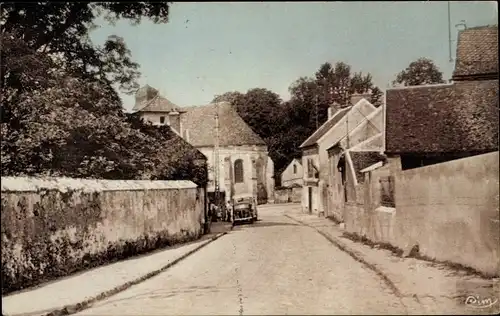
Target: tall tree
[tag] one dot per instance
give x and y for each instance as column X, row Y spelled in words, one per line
column 232, row 97
column 419, row 72
column 258, row 107
column 285, row 125
column 331, row 85
column 60, row 125
column 376, row 98
column 61, row 30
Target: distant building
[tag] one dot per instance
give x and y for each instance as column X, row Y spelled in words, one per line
column 328, row 165
column 293, row 174
column 244, row 164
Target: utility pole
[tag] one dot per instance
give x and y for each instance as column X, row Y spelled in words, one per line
column 216, row 156
column 347, row 117
column 449, row 31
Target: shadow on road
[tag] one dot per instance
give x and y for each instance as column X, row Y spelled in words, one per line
column 260, row 224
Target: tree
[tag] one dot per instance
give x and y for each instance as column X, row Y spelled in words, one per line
column 332, row 86
column 58, row 125
column 262, row 110
column 61, row 30
column 376, row 98
column 232, row 97
column 419, row 72
column 285, row 125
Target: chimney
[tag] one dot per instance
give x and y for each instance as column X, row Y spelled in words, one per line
column 332, row 109
column 330, row 112
column 356, row 97
column 186, row 135
column 175, row 121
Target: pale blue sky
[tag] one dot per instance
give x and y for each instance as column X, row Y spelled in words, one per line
column 210, row 48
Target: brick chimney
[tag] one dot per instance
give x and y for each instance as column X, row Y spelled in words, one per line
column 356, row 97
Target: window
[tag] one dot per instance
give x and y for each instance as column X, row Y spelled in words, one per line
column 312, row 171
column 162, row 119
column 294, row 169
column 238, row 171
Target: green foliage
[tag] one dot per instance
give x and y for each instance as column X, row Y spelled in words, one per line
column 285, row 125
column 60, row 115
column 419, row 72
column 61, row 30
column 377, row 96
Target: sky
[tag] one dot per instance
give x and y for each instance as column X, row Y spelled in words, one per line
column 209, row 48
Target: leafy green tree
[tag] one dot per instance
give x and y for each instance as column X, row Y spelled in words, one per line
column 377, row 96
column 262, row 110
column 285, row 125
column 232, row 97
column 58, row 125
column 61, row 30
column 419, row 72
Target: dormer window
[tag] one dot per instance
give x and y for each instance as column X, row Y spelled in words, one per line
column 162, row 119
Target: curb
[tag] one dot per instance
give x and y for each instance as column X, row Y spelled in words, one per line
column 358, row 257
column 78, row 307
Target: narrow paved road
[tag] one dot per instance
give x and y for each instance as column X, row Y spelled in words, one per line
column 272, row 267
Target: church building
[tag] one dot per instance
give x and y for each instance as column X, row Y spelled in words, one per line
column 241, row 159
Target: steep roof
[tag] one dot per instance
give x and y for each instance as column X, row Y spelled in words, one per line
column 459, row 117
column 233, row 131
column 323, row 129
column 157, row 104
column 477, row 52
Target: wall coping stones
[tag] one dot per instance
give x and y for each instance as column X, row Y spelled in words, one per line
column 62, row 184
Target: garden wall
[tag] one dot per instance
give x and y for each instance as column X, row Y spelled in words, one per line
column 56, row 226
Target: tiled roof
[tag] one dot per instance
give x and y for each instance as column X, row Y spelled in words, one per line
column 364, row 159
column 233, row 131
column 477, row 52
column 157, row 104
column 323, row 129
column 461, row 117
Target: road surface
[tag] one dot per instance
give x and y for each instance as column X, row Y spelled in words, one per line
column 274, row 266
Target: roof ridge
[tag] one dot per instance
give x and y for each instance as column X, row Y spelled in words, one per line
column 433, row 85
column 148, row 103
column 489, row 26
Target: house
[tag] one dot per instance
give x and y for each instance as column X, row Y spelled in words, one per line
column 243, row 163
column 357, row 150
column 430, row 124
column 158, row 110
column 346, row 127
column 293, row 174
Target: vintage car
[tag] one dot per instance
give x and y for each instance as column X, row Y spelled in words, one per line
column 244, row 209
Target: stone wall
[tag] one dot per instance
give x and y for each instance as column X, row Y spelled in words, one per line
column 288, row 195
column 451, row 211
column 54, row 227
column 364, row 213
